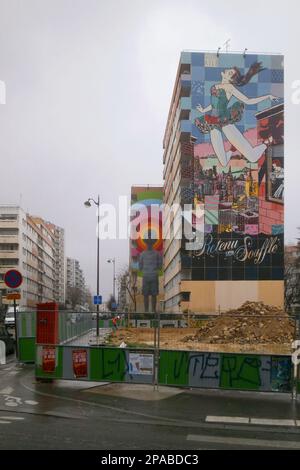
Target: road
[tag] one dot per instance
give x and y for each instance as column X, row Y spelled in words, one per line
column 87, row 415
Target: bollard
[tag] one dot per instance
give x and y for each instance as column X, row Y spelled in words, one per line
column 2, row 353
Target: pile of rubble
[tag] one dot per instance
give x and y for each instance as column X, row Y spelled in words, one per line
column 252, row 323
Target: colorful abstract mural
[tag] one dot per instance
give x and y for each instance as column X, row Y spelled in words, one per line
column 146, row 221
column 236, row 172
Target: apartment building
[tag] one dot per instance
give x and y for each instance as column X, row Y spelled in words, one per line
column 60, row 265
column 225, row 159
column 75, row 280
column 292, row 276
column 27, row 244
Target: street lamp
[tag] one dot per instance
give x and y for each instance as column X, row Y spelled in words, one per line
column 88, row 204
column 113, row 261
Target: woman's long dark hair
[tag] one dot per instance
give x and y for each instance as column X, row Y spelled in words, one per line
column 240, row 80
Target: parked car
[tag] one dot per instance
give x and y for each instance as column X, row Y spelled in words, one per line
column 8, row 340
column 9, row 319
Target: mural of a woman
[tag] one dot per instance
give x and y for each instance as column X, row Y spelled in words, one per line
column 222, row 118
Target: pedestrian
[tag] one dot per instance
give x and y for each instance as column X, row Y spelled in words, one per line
column 115, row 323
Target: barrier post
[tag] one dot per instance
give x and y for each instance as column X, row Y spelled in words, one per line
column 2, row 353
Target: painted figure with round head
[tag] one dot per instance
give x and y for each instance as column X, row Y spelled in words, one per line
column 150, row 263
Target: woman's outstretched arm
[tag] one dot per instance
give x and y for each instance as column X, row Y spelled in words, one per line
column 204, row 110
column 240, row 96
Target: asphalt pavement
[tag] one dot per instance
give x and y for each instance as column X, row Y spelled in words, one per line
column 89, row 415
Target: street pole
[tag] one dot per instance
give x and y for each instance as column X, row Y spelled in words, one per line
column 98, row 241
column 16, row 329
column 113, row 261
column 88, row 204
column 114, row 284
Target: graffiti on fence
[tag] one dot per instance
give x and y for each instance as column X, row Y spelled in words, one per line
column 248, row 372
column 204, row 370
column 227, row 371
column 181, row 368
column 113, row 364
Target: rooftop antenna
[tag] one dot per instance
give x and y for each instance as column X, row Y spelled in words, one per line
column 227, row 44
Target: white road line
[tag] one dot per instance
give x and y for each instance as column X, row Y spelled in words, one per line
column 14, row 418
column 226, row 419
column 249, row 420
column 6, row 391
column 273, row 422
column 5, row 422
column 240, row 441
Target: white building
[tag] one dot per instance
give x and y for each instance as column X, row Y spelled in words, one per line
column 60, row 265
column 28, row 244
column 75, row 280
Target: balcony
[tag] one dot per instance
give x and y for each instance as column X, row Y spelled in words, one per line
column 185, row 82
column 9, row 238
column 40, row 241
column 9, row 224
column 8, row 254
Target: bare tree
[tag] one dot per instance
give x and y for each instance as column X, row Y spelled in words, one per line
column 74, row 296
column 127, row 285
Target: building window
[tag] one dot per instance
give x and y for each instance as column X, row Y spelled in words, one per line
column 9, row 262
column 185, row 296
column 9, row 246
column 8, row 231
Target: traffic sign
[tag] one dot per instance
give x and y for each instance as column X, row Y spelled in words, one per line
column 13, row 278
column 97, row 299
column 13, row 296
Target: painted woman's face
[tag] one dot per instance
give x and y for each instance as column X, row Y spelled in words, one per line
column 276, row 168
column 227, row 75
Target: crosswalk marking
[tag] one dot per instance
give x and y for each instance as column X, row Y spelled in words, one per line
column 226, row 419
column 249, row 420
column 241, row 441
column 12, row 418
column 273, row 422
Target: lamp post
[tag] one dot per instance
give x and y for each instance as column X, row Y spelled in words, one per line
column 88, row 204
column 113, row 261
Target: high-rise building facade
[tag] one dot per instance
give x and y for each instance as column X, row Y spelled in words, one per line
column 75, row 282
column 224, row 157
column 27, row 244
column 60, row 265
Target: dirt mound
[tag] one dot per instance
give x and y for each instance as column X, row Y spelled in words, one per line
column 252, row 323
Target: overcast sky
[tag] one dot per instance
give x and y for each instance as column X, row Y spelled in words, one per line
column 88, row 86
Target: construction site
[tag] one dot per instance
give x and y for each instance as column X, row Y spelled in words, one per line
column 254, row 327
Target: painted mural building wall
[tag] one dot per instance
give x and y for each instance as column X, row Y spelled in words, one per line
column 231, row 143
column 146, row 222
